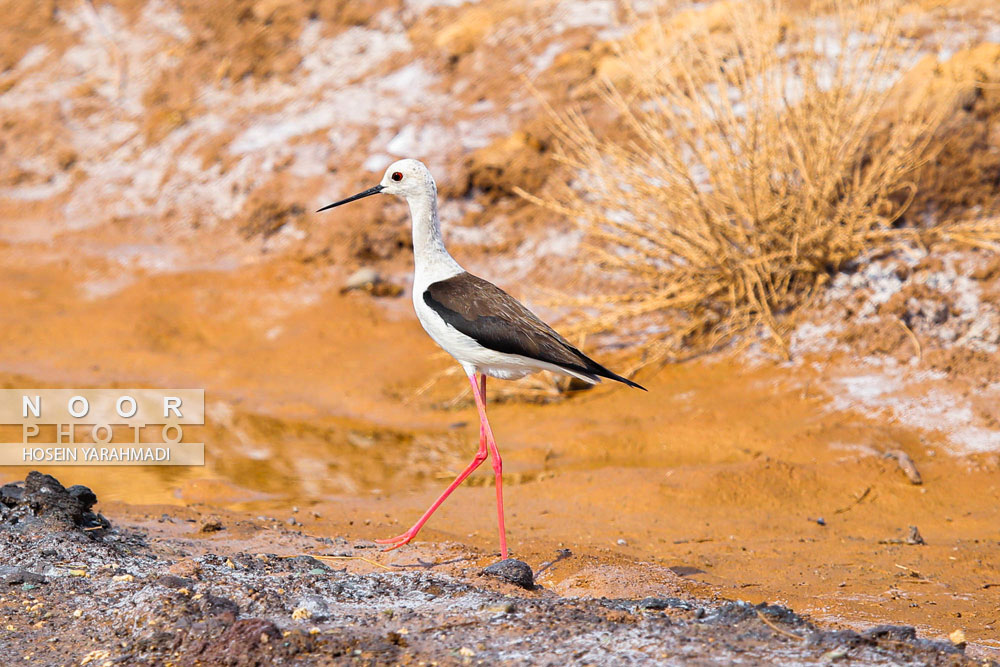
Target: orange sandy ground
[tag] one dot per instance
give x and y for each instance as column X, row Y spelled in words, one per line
column 719, row 471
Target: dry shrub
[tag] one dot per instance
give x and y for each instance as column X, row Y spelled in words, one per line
column 752, row 158
column 983, row 233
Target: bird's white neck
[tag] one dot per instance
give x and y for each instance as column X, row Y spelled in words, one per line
column 431, row 259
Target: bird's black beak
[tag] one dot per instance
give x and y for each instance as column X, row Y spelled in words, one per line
column 367, row 193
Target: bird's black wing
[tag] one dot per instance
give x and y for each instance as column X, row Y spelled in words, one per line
column 497, row 321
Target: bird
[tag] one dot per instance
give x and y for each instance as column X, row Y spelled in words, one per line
column 487, row 331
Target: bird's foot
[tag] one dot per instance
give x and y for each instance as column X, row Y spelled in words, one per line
column 398, row 541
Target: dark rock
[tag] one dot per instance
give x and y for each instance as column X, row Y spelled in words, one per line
column 213, row 605
column 242, row 643
column 656, row 604
column 739, row 611
column 11, row 494
column 308, row 563
column 37, row 482
column 157, row 640
column 18, row 575
column 173, row 581
column 40, row 504
column 836, row 638
column 514, row 571
column 211, row 524
column 84, row 496
column 50, row 501
column 92, row 521
column 894, row 632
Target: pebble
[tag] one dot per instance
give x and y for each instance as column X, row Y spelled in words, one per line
column 505, row 608
column 96, row 655
column 906, row 464
column 368, row 279
column 211, row 524
column 914, row 537
column 312, row 606
column 363, row 278
column 834, row 654
column 513, row 571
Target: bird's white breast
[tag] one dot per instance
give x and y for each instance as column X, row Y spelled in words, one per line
column 433, row 263
column 471, row 355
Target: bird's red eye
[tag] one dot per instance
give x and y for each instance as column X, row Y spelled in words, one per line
column 396, row 176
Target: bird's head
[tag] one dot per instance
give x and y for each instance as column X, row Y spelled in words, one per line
column 404, row 178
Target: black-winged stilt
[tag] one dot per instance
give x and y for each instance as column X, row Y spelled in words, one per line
column 486, row 330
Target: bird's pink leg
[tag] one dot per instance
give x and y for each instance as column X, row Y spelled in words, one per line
column 400, row 540
column 484, row 425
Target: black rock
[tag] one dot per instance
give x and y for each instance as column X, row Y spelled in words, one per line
column 836, row 638
column 213, row 605
column 92, row 521
column 306, row 562
column 37, row 482
column 40, row 504
column 173, row 581
column 739, row 611
column 49, row 499
column 513, row 571
column 18, row 575
column 84, row 496
column 892, row 632
column 656, row 604
column 11, row 494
